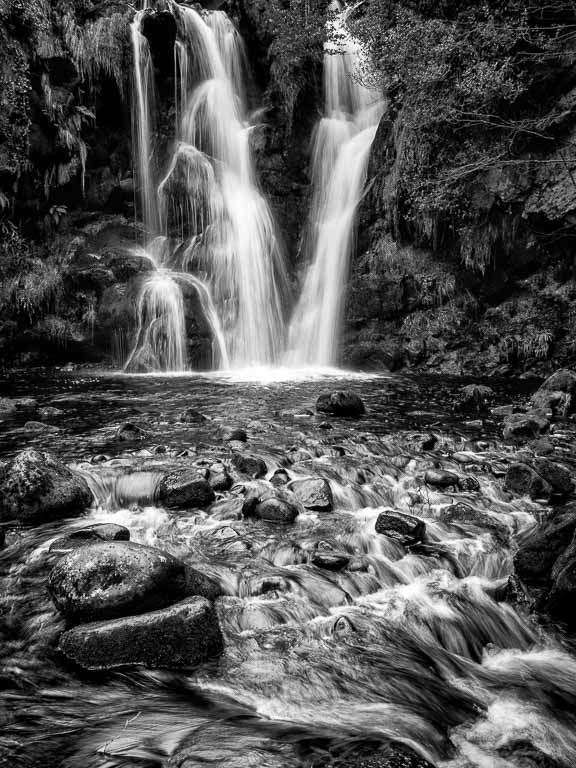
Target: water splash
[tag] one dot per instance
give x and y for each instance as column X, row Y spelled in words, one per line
column 340, row 154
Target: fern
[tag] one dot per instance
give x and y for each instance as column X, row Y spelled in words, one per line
column 99, row 46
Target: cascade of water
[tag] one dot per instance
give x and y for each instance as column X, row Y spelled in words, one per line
column 209, row 199
column 340, row 153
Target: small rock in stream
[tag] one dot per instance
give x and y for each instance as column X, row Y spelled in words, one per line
column 340, row 403
column 40, row 427
column 314, row 493
column 252, row 466
column 280, row 478
column 524, row 426
column 116, row 578
column 182, row 635
column 233, row 434
column 441, row 478
column 192, row 416
column 401, row 527
column 90, row 535
column 129, row 432
column 37, row 488
column 185, row 489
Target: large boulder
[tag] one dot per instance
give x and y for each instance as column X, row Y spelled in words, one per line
column 403, row 528
column 314, row 493
column 561, row 597
column 522, row 479
column 559, row 477
column 115, row 578
column 540, row 548
column 36, row 488
column 525, row 426
column 184, row 489
column 181, row 635
column 556, row 396
column 340, row 403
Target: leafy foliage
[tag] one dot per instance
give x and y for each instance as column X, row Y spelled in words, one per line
column 463, row 78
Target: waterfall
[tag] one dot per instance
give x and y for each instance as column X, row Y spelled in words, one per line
column 218, row 231
column 340, row 153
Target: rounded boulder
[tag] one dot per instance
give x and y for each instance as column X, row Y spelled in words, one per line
column 115, row 578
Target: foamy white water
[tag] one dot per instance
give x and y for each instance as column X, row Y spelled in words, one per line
column 222, row 232
column 340, row 155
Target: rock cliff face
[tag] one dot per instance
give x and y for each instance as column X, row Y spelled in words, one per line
column 432, row 292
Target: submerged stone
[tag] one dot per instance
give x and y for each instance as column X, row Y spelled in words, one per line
column 275, row 510
column 340, row 403
column 90, row 535
column 116, row 578
column 182, row 635
column 36, row 488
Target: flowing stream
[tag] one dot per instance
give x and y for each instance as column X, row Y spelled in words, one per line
column 410, row 644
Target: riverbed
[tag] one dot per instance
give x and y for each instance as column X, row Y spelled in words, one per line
column 416, row 645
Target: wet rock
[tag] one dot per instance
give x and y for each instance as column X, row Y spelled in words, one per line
column 405, row 529
column 441, row 478
column 298, row 456
column 542, row 447
column 219, row 478
column 467, row 515
column 116, row 578
column 524, row 426
column 561, row 597
column 558, row 476
column 129, row 432
column 49, row 412
column 522, row 479
column 313, row 493
column 274, row 507
column 330, row 561
column 230, row 434
column 540, row 548
column 184, row 489
column 182, row 635
column 430, row 443
column 340, row 403
column 192, row 416
column 556, row 394
column 252, row 466
column 198, row 582
column 2, row 538
column 39, row 427
column 90, row 535
column 468, row 484
column 553, row 404
column 36, row 488
column 18, row 406
column 280, row 478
